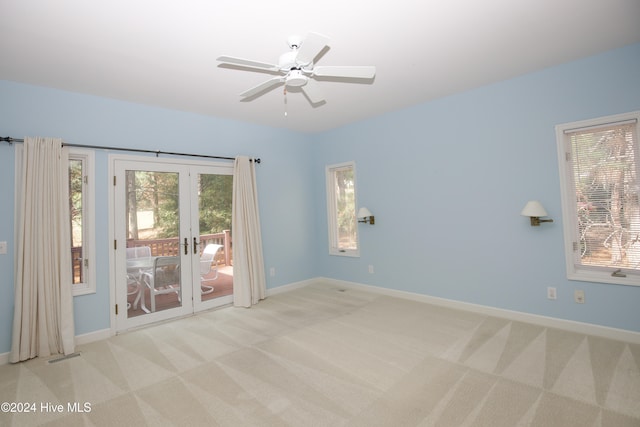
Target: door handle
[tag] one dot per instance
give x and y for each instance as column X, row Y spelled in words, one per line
column 195, row 246
column 186, row 246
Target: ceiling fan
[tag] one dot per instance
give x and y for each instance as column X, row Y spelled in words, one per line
column 297, row 68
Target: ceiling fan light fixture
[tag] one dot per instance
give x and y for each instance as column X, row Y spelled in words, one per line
column 296, row 79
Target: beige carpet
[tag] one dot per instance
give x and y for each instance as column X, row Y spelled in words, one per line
column 323, row 356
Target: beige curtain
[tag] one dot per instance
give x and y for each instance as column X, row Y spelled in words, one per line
column 43, row 310
column 249, row 283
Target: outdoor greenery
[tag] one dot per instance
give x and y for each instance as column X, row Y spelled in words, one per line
column 216, row 192
column 76, row 213
column 75, row 201
column 345, row 199
column 158, row 192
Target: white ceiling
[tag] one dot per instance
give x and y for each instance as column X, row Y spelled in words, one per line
column 163, row 52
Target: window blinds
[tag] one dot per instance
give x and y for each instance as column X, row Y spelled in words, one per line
column 605, row 174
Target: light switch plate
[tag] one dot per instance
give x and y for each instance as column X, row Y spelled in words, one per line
column 3, row 248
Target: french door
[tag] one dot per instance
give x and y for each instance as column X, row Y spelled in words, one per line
column 172, row 246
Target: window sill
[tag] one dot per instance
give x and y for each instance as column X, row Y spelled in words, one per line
column 82, row 289
column 346, row 253
column 604, row 277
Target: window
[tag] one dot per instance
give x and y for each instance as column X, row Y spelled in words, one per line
column 599, row 164
column 81, row 207
column 341, row 204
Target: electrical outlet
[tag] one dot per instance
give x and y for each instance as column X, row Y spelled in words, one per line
column 578, row 296
column 551, row 293
column 3, row 248
column 370, row 269
column 272, row 271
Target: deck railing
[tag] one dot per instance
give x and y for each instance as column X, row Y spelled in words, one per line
column 171, row 246
column 76, row 262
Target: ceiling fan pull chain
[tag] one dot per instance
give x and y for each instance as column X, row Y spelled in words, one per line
column 285, row 100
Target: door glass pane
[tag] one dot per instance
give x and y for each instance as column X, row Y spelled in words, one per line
column 214, row 217
column 153, row 242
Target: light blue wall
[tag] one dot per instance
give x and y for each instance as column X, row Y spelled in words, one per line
column 446, row 181
column 284, row 178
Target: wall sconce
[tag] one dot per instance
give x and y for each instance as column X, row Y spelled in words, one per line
column 534, row 210
column 365, row 215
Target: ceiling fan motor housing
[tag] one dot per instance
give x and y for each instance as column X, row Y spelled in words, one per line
column 288, row 61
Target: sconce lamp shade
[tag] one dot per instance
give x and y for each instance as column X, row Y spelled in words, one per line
column 365, row 215
column 533, row 208
column 364, row 212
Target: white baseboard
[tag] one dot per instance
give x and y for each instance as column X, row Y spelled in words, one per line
column 93, row 336
column 291, row 286
column 550, row 322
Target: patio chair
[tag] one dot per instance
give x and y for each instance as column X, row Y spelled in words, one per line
column 164, row 278
column 207, row 264
column 133, row 288
column 139, row 252
column 134, row 275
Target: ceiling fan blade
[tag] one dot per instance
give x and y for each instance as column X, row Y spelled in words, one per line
column 356, row 72
column 263, row 86
column 311, row 47
column 248, row 63
column 313, row 92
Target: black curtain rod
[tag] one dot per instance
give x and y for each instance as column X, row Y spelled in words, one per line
column 11, row 140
